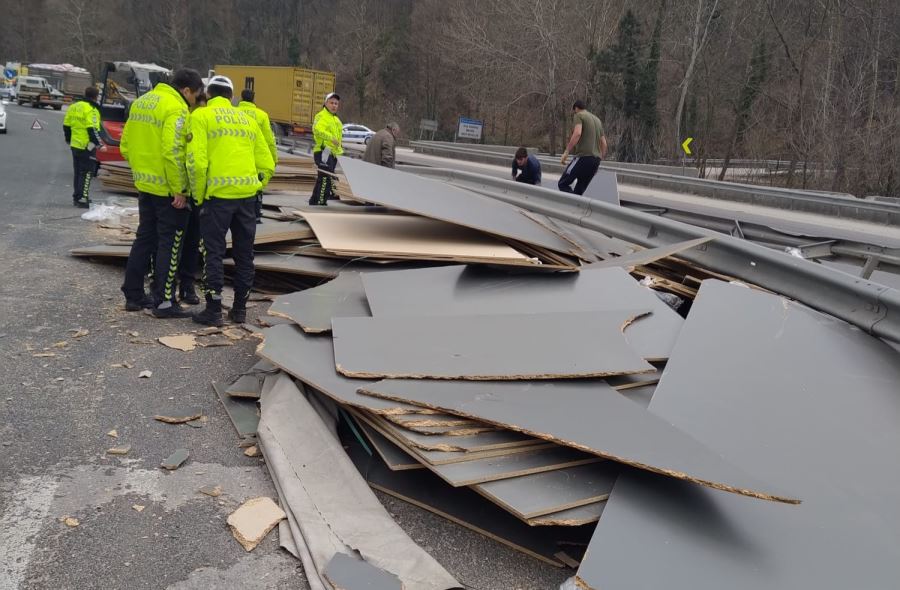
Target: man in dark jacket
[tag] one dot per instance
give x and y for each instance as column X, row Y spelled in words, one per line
column 528, row 165
column 382, row 148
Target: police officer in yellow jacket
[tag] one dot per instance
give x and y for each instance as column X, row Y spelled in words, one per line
column 265, row 126
column 328, row 133
column 153, row 142
column 81, row 127
column 228, row 164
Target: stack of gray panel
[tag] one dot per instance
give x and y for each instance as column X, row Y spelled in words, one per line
column 509, row 403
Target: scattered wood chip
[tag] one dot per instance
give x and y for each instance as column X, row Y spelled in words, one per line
column 253, row 520
column 212, row 491
column 179, row 418
column 79, row 333
column 134, row 333
column 234, row 334
column 182, row 342
column 113, row 433
column 208, row 331
column 145, row 374
column 252, row 451
column 175, row 460
column 120, row 450
column 70, row 521
column 61, row 344
column 44, row 354
column 210, row 342
column 125, row 365
column 138, row 507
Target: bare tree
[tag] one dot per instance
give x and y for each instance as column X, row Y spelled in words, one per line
column 82, row 39
column 704, row 13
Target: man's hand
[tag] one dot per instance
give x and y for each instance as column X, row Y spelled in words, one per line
column 179, row 201
column 565, row 157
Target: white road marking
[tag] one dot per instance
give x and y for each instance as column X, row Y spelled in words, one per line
column 20, row 524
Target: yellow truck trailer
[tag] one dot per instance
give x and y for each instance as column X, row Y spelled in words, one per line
column 291, row 96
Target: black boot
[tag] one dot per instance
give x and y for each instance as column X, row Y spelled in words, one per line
column 138, row 305
column 238, row 312
column 168, row 310
column 212, row 315
column 186, row 294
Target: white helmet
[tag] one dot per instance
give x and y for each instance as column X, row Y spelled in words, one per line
column 220, row 81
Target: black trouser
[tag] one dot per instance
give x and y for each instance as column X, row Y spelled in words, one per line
column 259, row 196
column 527, row 178
column 84, row 171
column 323, row 191
column 190, row 255
column 217, row 216
column 582, row 169
column 160, row 236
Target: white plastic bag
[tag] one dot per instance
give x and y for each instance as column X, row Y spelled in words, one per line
column 102, row 212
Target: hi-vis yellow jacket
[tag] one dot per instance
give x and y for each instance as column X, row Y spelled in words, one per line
column 262, row 119
column 153, row 142
column 227, row 156
column 83, row 121
column 328, row 132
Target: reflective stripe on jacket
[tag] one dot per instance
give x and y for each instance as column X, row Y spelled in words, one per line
column 227, row 156
column 328, row 132
column 153, row 142
column 262, row 119
column 81, row 117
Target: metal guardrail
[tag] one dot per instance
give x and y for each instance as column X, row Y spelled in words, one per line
column 475, row 153
column 879, row 212
column 870, row 306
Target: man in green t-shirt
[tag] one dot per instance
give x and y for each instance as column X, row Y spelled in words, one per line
column 588, row 146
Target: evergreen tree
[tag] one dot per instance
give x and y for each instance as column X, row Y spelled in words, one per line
column 648, row 90
column 756, row 76
column 626, row 87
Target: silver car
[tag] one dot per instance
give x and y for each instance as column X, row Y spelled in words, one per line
column 354, row 133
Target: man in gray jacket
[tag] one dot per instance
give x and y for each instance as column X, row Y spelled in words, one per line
column 382, row 147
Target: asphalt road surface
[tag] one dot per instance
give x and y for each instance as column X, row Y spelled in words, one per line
column 60, row 394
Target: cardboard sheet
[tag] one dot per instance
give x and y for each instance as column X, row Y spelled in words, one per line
column 587, row 415
column 469, row 290
column 408, row 236
column 798, row 397
column 514, row 346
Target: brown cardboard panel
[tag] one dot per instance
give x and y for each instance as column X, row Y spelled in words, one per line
column 587, row 415
column 484, row 441
column 431, row 458
column 462, row 506
column 438, row 200
column 389, row 236
column 651, row 255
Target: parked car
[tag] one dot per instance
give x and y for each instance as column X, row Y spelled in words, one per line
column 354, row 133
column 7, row 93
column 2, row 118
